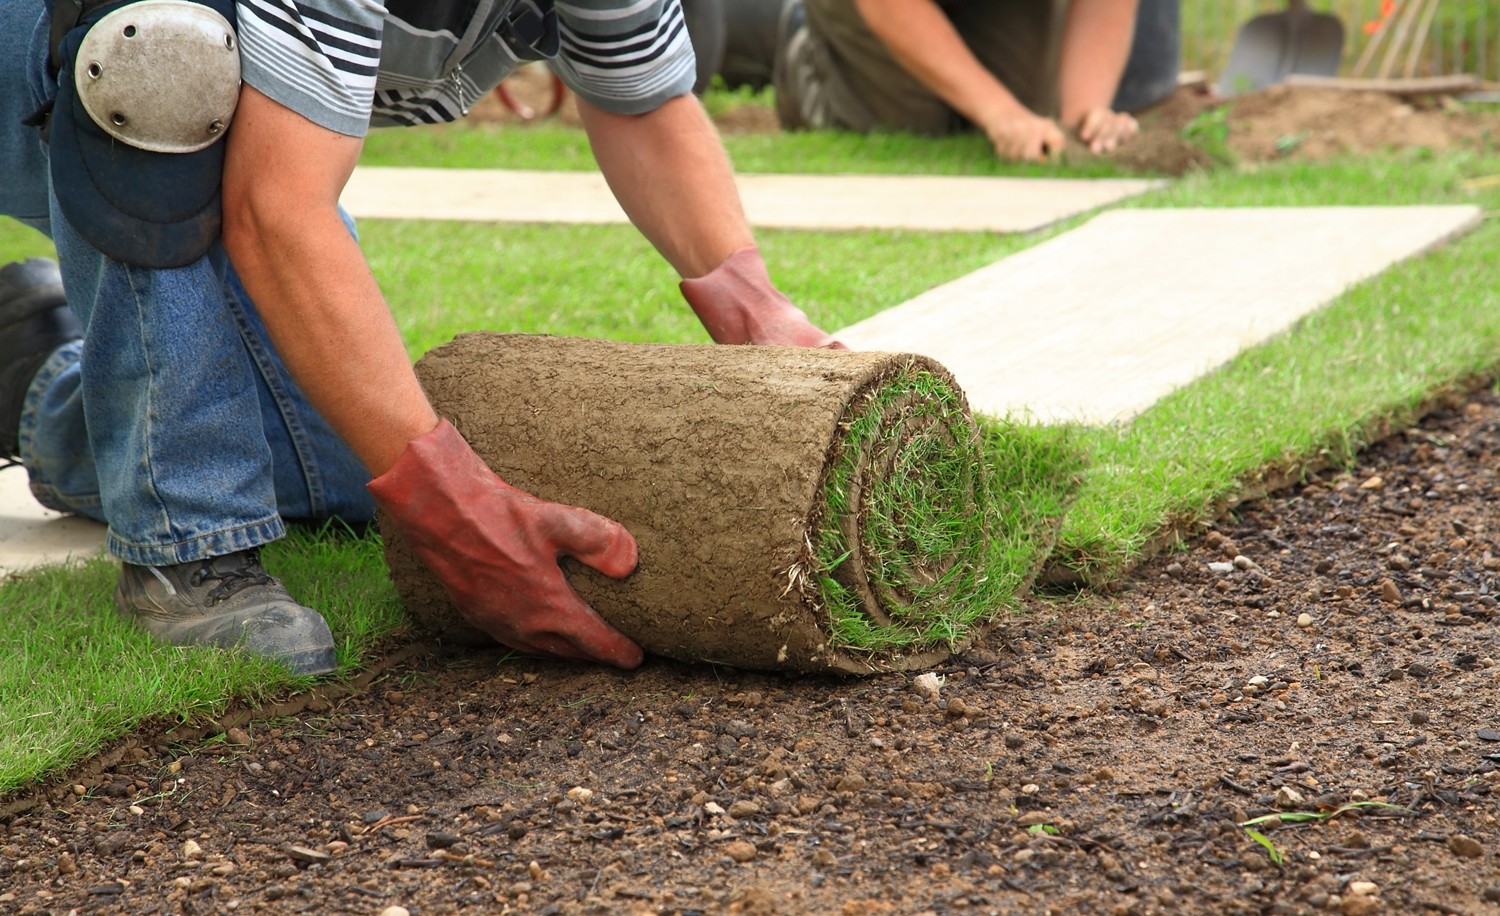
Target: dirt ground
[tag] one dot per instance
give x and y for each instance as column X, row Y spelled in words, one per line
column 1332, row 644
column 1277, row 123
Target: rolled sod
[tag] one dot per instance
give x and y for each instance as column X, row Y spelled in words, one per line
column 795, row 509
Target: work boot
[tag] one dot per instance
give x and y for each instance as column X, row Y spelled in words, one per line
column 227, row 601
column 797, row 84
column 34, row 321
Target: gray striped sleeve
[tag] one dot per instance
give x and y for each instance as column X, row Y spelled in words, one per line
column 316, row 57
column 627, row 57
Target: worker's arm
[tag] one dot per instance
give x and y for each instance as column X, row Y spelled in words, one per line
column 1095, row 46
column 494, row 547
column 671, row 175
column 282, row 178
column 924, row 42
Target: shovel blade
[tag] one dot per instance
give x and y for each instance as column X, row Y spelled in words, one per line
column 1268, row 48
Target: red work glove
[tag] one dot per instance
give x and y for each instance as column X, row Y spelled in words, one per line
column 738, row 305
column 495, row 549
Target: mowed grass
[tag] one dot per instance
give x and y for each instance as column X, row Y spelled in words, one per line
column 72, row 677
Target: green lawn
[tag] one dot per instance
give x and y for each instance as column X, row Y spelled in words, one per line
column 72, row 677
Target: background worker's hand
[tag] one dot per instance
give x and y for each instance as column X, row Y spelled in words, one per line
column 738, row 304
column 496, row 550
column 1102, row 130
column 1025, row 137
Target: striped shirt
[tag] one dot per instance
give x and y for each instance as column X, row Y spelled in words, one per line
column 349, row 65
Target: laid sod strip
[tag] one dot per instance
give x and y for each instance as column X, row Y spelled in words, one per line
column 1312, row 398
column 559, row 147
column 445, row 278
column 74, row 676
column 18, row 242
column 795, row 509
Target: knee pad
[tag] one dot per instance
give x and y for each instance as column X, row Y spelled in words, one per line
column 146, row 91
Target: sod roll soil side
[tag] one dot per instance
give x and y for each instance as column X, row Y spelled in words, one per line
column 795, row 509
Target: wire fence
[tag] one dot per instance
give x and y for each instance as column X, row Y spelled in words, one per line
column 1461, row 36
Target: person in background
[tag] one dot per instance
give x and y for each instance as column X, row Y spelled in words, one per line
column 1026, row 73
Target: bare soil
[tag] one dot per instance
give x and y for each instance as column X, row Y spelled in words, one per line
column 1278, row 123
column 1334, row 643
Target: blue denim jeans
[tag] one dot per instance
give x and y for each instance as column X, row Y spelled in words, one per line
column 173, row 421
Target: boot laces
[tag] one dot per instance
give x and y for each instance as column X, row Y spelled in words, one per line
column 246, row 574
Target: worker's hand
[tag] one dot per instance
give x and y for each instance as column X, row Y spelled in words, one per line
column 738, row 305
column 495, row 549
column 1102, row 130
column 1025, row 137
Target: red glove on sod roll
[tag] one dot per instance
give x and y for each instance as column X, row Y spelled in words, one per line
column 738, row 305
column 495, row 549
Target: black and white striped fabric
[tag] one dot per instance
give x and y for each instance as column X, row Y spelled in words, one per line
column 352, row 64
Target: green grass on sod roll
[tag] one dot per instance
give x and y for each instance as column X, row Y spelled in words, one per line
column 939, row 522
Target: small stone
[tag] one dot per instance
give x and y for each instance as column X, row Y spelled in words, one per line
column 581, row 795
column 305, row 855
column 191, row 849
column 740, row 851
column 824, row 859
column 744, row 808
column 1487, row 734
column 928, row 684
column 713, row 808
column 1287, row 797
column 850, row 782
column 1221, row 568
column 80, row 790
column 439, row 839
column 137, row 810
column 1465, row 847
column 1243, row 562
column 66, row 864
column 1419, row 717
column 395, row 911
column 1389, row 593
column 1259, row 681
column 1492, row 894
column 1304, row 620
column 534, row 868
column 1363, row 888
column 238, row 736
column 956, row 709
column 1030, row 788
column 1373, row 483
column 1358, row 906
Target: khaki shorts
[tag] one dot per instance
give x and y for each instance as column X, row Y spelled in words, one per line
column 837, row 74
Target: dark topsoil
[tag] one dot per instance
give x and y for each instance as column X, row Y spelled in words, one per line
column 1333, row 643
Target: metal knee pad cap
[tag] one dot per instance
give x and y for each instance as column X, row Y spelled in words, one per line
column 145, row 91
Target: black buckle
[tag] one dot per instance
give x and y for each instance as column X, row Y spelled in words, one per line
column 65, row 15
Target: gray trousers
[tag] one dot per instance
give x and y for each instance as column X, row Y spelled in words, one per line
column 836, row 74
